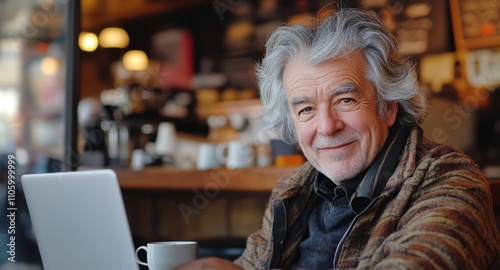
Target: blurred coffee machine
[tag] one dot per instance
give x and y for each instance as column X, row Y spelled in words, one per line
column 93, row 150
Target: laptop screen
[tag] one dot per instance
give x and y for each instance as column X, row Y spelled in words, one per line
column 79, row 220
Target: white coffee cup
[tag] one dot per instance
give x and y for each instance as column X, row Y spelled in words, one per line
column 236, row 154
column 165, row 139
column 207, row 156
column 168, row 255
column 137, row 161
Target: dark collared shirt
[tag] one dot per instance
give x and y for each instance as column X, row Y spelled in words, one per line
column 332, row 215
column 328, row 222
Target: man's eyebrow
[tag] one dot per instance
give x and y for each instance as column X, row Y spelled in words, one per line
column 346, row 88
column 298, row 100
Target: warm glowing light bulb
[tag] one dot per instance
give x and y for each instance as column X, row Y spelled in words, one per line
column 135, row 60
column 113, row 37
column 88, row 41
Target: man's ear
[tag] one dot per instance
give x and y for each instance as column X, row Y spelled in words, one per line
column 392, row 112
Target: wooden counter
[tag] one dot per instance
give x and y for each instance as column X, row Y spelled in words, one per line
column 245, row 180
column 165, row 203
column 241, row 180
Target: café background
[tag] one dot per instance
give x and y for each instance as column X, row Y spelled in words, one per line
column 62, row 107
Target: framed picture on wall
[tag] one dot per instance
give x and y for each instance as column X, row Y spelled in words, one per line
column 476, row 24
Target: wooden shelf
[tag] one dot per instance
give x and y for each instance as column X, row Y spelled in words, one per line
column 248, row 107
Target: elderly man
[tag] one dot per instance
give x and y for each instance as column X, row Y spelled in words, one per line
column 374, row 194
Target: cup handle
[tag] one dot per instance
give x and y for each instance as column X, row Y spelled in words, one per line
column 137, row 257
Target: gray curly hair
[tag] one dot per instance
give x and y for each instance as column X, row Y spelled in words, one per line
column 346, row 31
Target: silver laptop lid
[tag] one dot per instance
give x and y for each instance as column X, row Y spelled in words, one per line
column 79, row 220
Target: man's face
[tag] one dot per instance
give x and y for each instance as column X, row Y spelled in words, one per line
column 334, row 110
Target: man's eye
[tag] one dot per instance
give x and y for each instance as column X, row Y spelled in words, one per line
column 346, row 100
column 305, row 110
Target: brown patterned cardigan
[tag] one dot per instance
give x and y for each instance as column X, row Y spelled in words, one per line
column 435, row 212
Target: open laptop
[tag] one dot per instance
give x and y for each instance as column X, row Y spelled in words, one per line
column 79, row 220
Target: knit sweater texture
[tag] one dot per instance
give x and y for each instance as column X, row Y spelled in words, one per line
column 435, row 212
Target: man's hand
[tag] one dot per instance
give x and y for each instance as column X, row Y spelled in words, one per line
column 209, row 263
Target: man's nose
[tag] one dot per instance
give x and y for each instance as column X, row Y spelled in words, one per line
column 329, row 121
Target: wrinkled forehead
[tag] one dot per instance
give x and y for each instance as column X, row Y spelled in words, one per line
column 303, row 57
column 301, row 63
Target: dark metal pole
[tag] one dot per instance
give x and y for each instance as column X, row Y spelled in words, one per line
column 71, row 156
